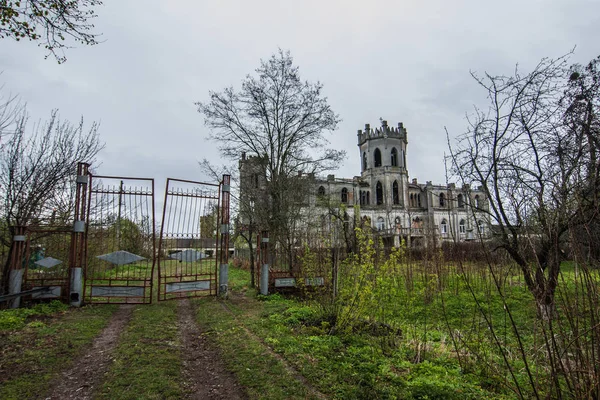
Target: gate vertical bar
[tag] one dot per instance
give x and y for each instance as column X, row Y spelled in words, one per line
column 264, row 268
column 15, row 277
column 77, row 259
column 224, row 254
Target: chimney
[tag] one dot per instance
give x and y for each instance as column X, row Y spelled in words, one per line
column 384, row 123
column 243, row 155
column 367, row 127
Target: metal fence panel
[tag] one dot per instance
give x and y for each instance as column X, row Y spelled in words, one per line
column 188, row 245
column 120, row 240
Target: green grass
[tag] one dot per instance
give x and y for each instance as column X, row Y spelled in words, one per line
column 14, row 319
column 147, row 361
column 34, row 353
column 259, row 371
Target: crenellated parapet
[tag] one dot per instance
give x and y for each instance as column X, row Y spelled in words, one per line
column 382, row 132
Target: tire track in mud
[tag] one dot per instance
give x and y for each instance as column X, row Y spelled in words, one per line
column 87, row 373
column 203, row 369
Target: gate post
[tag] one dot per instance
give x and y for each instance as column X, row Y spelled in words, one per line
column 15, row 277
column 224, row 254
column 264, row 268
column 77, row 259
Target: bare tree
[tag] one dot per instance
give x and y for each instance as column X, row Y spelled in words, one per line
column 11, row 110
column 49, row 22
column 37, row 171
column 582, row 120
column 529, row 164
column 280, row 120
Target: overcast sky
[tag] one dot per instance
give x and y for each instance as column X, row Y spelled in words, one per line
column 405, row 61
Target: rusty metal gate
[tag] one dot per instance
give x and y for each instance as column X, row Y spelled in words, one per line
column 46, row 260
column 120, row 240
column 193, row 239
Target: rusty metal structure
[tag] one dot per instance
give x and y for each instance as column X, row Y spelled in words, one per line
column 105, row 251
column 120, row 240
column 188, row 249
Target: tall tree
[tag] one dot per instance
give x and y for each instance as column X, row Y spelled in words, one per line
column 280, row 120
column 37, row 173
column 582, row 120
column 49, row 22
column 529, row 162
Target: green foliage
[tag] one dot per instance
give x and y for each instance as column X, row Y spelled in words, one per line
column 16, row 319
column 49, row 21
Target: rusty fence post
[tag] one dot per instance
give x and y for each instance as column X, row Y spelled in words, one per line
column 224, row 256
column 77, row 259
column 15, row 277
column 264, row 268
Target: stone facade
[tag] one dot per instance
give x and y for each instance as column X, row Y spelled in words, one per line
column 420, row 213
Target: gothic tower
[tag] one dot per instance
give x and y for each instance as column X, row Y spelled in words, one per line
column 383, row 166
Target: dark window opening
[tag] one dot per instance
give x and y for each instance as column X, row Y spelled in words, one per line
column 394, row 157
column 379, row 193
column 377, row 158
column 344, row 195
column 442, row 200
column 321, row 191
column 364, row 161
column 395, row 193
column 461, row 202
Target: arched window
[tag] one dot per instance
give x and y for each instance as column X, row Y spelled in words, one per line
column 395, row 193
column 364, row 161
column 368, row 198
column 461, row 226
column 481, row 226
column 379, row 193
column 411, row 200
column 394, row 157
column 461, row 201
column 321, row 191
column 377, row 158
column 444, row 227
column 477, row 201
column 419, row 200
column 380, row 224
column 442, row 200
column 344, row 195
